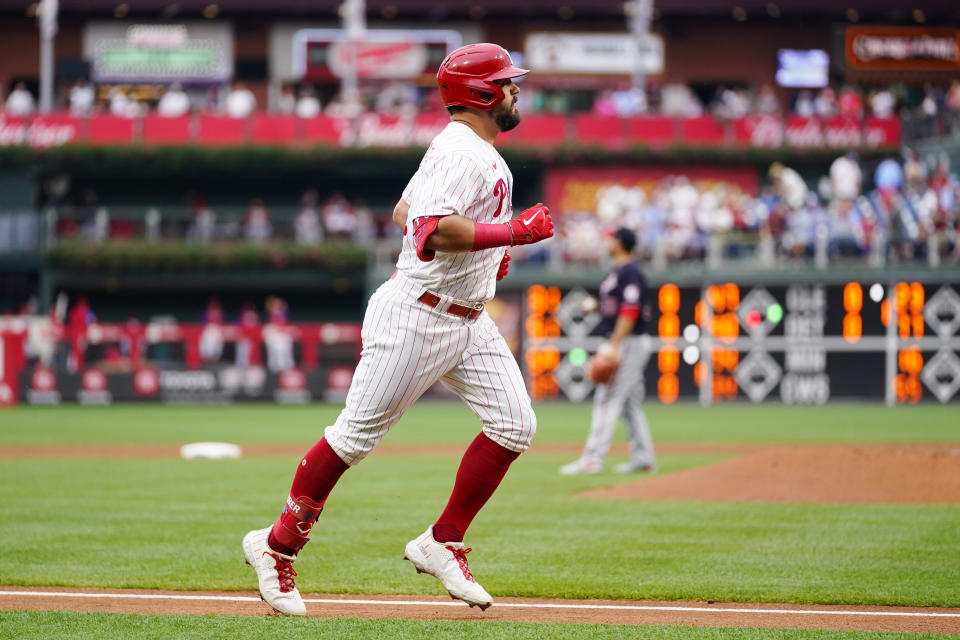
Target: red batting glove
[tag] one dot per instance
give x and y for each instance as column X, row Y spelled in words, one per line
column 533, row 225
column 504, row 266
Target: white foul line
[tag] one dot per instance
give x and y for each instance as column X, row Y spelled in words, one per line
column 516, row 605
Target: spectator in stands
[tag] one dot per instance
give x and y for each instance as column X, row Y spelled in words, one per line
column 629, row 102
column 307, row 227
column 678, row 100
column 98, row 229
column 804, row 106
column 82, row 98
column 802, row 227
column 848, row 234
column 767, row 101
column 248, row 344
column 942, row 225
column 277, row 335
column 845, row 177
column 733, row 103
column 888, row 177
column 308, row 106
column 257, row 226
column 682, row 235
column 825, row 104
column 204, row 226
column 339, row 217
column 174, row 103
column 240, row 102
column 287, row 102
column 929, row 108
column 849, row 103
column 211, row 336
column 79, row 320
column 789, row 186
column 951, row 109
column 338, row 108
column 20, row 102
column 914, row 172
column 399, row 98
column 882, row 103
column 366, row 229
column 557, row 102
column 604, row 106
column 122, row 105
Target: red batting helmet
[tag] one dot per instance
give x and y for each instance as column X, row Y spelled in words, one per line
column 466, row 76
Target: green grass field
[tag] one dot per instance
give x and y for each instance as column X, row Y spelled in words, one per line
column 171, row 523
column 83, row 626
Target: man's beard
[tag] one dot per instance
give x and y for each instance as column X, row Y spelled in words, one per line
column 506, row 119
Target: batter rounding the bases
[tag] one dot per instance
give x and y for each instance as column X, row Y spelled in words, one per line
column 428, row 324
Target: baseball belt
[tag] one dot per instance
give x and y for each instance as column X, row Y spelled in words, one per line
column 461, row 311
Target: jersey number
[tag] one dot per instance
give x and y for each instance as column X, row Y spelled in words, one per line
column 500, row 190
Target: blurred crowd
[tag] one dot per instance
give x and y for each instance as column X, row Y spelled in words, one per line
column 235, row 101
column 68, row 340
column 911, row 213
column 310, row 223
column 935, row 108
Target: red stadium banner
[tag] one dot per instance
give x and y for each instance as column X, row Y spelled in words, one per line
column 881, row 132
column 600, row 130
column 651, row 131
column 761, row 130
column 705, row 130
column 388, row 130
column 803, row 132
column 543, row 129
column 273, row 129
column 160, row 130
column 41, row 132
column 842, row 132
column 219, row 131
column 324, row 130
column 109, row 130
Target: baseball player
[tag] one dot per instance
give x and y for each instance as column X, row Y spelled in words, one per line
column 618, row 365
column 428, row 323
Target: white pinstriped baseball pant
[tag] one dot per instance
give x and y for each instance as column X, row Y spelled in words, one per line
column 407, row 347
column 623, row 396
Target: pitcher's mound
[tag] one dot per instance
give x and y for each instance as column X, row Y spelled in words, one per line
column 838, row 474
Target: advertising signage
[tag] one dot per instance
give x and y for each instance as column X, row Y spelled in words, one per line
column 878, row 48
column 159, row 52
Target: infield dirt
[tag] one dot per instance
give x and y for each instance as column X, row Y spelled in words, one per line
column 860, row 618
column 820, row 474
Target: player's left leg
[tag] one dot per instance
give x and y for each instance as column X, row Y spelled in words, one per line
column 489, row 380
column 642, row 457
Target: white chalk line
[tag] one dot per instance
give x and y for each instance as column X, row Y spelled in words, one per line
column 515, row 605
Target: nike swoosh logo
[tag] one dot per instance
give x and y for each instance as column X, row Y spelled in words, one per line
column 532, row 217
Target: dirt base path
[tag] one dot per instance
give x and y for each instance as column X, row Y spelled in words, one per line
column 861, row 618
column 890, row 474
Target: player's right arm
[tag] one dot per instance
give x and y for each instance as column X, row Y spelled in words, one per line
column 450, row 185
column 454, row 233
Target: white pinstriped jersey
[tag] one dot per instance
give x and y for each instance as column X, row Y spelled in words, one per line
column 460, row 174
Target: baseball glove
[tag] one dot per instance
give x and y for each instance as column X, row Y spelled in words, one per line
column 602, row 367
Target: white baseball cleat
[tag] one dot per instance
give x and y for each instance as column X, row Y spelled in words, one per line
column 275, row 573
column 581, row 466
column 636, row 465
column 447, row 562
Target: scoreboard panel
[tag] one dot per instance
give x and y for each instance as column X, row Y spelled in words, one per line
column 798, row 343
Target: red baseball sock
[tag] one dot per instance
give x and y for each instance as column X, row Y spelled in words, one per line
column 481, row 470
column 316, row 476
